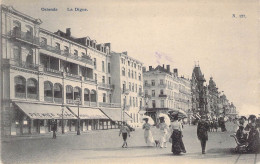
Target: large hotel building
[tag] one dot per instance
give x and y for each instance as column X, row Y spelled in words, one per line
column 49, row 76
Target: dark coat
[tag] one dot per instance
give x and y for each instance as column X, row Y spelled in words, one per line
column 53, row 126
column 202, row 130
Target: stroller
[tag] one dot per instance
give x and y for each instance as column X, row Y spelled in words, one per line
column 241, row 147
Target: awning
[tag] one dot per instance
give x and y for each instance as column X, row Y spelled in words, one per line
column 115, row 114
column 45, row 111
column 88, row 113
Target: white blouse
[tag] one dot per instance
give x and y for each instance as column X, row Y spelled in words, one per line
column 176, row 125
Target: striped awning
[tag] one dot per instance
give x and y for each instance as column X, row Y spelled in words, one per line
column 87, row 113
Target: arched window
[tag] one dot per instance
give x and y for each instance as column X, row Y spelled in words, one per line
column 29, row 31
column 69, row 92
column 93, row 96
column 32, row 88
column 86, row 94
column 16, row 28
column 17, row 53
column 20, row 84
column 29, row 58
column 48, row 89
column 77, row 93
column 57, row 90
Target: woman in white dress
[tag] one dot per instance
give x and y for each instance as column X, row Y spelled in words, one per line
column 147, row 133
column 163, row 132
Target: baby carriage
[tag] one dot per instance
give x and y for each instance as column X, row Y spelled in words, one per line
column 241, row 147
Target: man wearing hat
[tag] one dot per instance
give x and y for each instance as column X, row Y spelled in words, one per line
column 202, row 132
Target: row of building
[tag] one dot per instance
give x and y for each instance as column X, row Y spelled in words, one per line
column 207, row 99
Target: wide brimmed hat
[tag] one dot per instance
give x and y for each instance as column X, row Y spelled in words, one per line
column 243, row 117
column 251, row 117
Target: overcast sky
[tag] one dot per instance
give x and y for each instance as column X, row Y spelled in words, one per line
column 171, row 32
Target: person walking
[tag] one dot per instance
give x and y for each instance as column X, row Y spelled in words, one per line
column 163, row 132
column 147, row 133
column 202, row 132
column 54, row 128
column 176, row 137
column 125, row 131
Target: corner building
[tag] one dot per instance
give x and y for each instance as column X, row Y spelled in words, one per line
column 49, row 75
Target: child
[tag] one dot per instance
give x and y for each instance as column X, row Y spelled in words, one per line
column 125, row 131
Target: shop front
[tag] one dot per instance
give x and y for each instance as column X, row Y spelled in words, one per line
column 33, row 118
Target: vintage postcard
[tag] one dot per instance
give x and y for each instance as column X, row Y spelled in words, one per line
column 130, row 81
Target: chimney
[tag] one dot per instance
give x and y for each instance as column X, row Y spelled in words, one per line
column 144, row 69
column 175, row 72
column 168, row 68
column 68, row 33
column 163, row 66
column 150, row 68
column 125, row 52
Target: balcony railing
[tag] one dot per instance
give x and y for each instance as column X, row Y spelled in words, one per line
column 23, row 64
column 53, row 71
column 162, row 95
column 103, row 85
column 90, row 80
column 84, row 59
column 111, row 105
column 32, row 96
column 20, row 95
column 26, row 36
column 73, row 76
column 48, row 99
column 58, row 100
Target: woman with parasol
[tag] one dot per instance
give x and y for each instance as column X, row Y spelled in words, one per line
column 163, row 132
column 147, row 132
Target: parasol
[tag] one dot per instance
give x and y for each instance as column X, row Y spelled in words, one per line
column 150, row 120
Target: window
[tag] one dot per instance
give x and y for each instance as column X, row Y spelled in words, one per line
column 17, row 53
column 104, row 97
column 95, row 77
column 77, row 93
column 129, row 86
column 136, row 88
column 103, row 79
column 153, row 103
column 139, row 77
column 47, row 89
column 133, row 87
column 66, row 49
column 153, row 93
column 57, row 46
column 95, row 63
column 146, row 93
column 153, row 83
column 130, row 101
column 133, row 101
column 108, row 67
column 109, row 80
column 57, row 90
column 103, row 66
column 134, row 65
column 43, row 41
column 145, row 83
column 20, row 84
column 128, row 63
column 131, row 64
column 162, row 103
column 123, row 71
column 69, row 92
column 110, row 98
column 122, row 60
column 83, row 54
column 129, row 73
column 161, row 91
column 136, row 102
column 76, row 52
column 124, row 86
column 161, row 81
column 135, row 74
column 31, row 87
column 132, row 74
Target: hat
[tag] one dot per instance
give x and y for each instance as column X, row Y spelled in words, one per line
column 251, row 117
column 145, row 119
column 242, row 117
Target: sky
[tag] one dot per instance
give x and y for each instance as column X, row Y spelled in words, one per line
column 221, row 36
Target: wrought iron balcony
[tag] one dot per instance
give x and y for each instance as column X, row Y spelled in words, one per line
column 24, row 36
column 73, row 76
column 23, row 64
column 90, row 80
column 58, row 100
column 103, row 85
column 53, row 71
column 111, row 105
column 32, row 96
column 162, row 95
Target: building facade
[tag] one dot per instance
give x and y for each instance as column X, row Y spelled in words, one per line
column 165, row 91
column 49, row 75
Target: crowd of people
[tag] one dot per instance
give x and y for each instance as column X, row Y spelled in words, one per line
column 247, row 133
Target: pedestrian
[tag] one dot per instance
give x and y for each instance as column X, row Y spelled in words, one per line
column 147, row 133
column 253, row 136
column 202, row 132
column 176, row 137
column 125, row 131
column 54, row 127
column 163, row 132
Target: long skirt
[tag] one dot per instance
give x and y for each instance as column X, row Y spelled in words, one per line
column 163, row 136
column 148, row 137
column 177, row 144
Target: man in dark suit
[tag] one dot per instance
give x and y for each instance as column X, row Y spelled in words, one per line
column 54, row 127
column 202, row 132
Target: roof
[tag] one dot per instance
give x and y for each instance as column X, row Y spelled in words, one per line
column 198, row 74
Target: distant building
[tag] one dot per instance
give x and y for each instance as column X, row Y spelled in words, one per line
column 164, row 91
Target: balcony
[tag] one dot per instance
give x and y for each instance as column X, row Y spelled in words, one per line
column 23, row 64
column 20, row 95
column 73, row 76
column 162, row 95
column 110, row 105
column 24, row 36
column 32, row 96
column 104, row 86
column 84, row 59
column 90, row 80
column 53, row 71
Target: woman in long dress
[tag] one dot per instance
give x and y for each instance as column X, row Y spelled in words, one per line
column 163, row 132
column 177, row 143
column 147, row 133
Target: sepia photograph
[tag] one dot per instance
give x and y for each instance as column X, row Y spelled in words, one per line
column 130, row 81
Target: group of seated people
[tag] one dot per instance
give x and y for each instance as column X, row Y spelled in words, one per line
column 249, row 134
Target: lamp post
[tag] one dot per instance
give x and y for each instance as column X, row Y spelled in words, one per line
column 78, row 130
column 62, row 123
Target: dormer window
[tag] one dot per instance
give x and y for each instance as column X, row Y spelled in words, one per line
column 57, row 46
column 87, row 42
column 75, row 52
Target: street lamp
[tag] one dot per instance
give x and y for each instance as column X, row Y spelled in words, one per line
column 62, row 124
column 78, row 130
